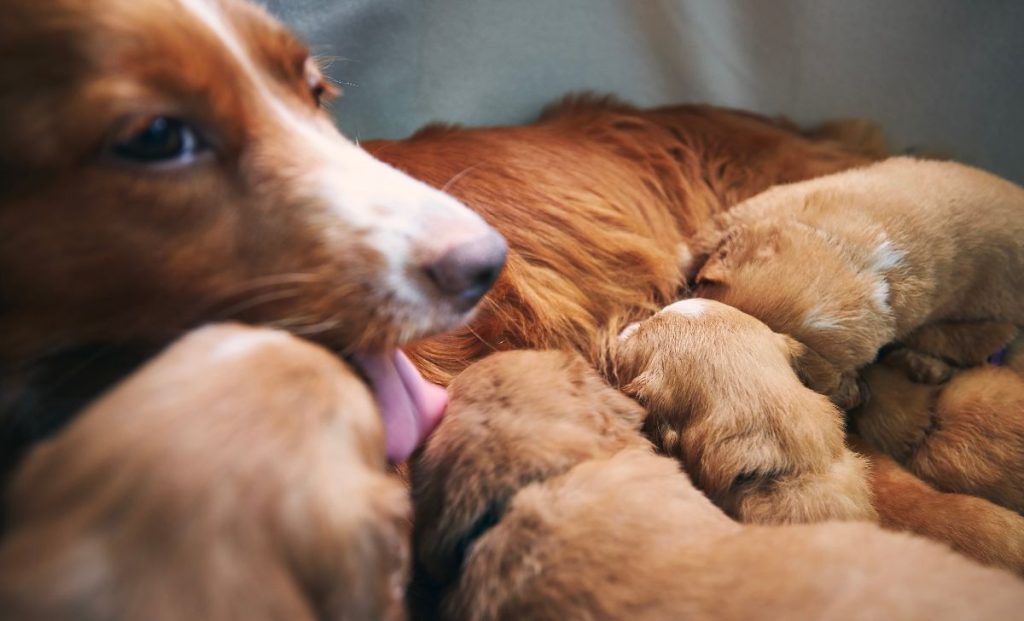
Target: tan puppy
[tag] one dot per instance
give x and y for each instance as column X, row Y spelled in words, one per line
column 852, row 261
column 725, row 400
column 970, row 525
column 964, row 436
column 258, row 493
column 537, row 498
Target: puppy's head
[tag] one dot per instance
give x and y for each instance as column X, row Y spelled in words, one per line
column 723, row 395
column 697, row 353
column 167, row 162
column 515, row 418
column 799, row 282
column 256, row 503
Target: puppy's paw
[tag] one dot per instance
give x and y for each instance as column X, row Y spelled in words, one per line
column 920, row 367
column 849, row 392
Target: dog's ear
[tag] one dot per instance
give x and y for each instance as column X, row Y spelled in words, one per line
column 715, row 271
column 822, row 376
column 793, row 349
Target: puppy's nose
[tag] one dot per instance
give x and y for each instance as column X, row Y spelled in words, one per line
column 466, row 271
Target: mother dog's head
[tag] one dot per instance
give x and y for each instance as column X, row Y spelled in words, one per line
column 169, row 163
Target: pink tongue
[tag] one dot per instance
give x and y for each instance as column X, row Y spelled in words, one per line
column 410, row 406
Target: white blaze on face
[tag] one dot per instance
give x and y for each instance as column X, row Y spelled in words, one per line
column 404, row 219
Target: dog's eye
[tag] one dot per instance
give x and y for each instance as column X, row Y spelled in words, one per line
column 321, row 90
column 160, row 140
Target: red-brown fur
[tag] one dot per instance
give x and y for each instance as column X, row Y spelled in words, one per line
column 595, row 199
column 965, row 436
column 970, row 525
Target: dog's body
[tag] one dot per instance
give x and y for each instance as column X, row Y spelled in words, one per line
column 596, row 199
column 724, row 399
column 258, row 492
column 538, row 498
column 850, row 262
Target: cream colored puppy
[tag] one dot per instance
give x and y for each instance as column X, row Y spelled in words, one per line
column 724, row 399
column 537, row 498
column 852, row 261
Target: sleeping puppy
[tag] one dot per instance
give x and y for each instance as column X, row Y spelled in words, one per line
column 974, row 527
column 259, row 492
column 725, row 400
column 537, row 498
column 966, row 435
column 850, row 262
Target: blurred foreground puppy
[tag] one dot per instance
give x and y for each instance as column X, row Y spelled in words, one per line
column 966, row 435
column 537, row 498
column 258, row 493
column 850, row 262
column 725, row 400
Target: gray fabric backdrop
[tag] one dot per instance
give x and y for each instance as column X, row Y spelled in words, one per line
column 940, row 74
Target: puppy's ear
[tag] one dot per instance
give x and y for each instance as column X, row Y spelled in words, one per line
column 715, row 271
column 607, row 401
column 793, row 349
column 822, row 376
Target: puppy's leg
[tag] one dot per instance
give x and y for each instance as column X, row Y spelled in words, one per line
column 931, row 354
column 972, row 526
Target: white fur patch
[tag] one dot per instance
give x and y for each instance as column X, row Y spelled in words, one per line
column 628, row 331
column 693, row 307
column 400, row 216
column 816, row 319
column 880, row 296
column 886, row 257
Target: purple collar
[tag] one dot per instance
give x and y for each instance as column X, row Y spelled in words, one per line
column 998, row 358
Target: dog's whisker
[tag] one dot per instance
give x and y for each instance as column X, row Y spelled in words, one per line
column 259, row 300
column 272, row 280
column 459, row 175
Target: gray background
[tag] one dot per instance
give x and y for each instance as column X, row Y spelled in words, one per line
column 945, row 75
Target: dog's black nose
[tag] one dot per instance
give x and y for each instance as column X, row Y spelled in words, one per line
column 466, row 271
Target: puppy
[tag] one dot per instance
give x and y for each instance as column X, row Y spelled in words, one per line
column 966, row 435
column 850, row 262
column 537, row 498
column 725, row 400
column 168, row 163
column 975, row 527
column 259, row 492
